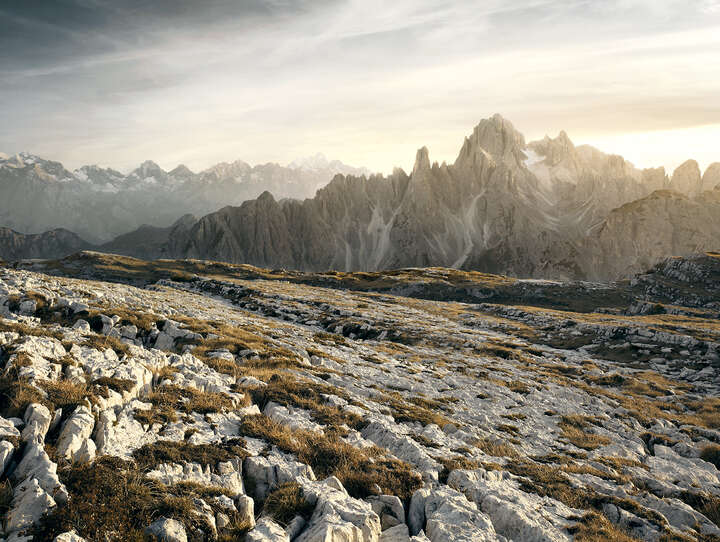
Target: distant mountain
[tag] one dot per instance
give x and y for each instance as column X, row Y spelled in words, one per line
column 543, row 209
column 637, row 235
column 319, row 162
column 144, row 242
column 51, row 244
column 101, row 203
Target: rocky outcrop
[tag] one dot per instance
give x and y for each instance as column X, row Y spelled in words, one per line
column 638, row 235
column 51, row 244
column 687, row 179
column 711, row 177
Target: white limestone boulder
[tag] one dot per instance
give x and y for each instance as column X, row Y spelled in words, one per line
column 167, row 530
column 266, row 530
column 75, row 433
column 30, row 502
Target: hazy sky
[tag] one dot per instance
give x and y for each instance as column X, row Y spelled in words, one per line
column 116, row 82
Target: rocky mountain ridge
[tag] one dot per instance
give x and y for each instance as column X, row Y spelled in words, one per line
column 547, row 209
column 195, row 400
column 544, row 209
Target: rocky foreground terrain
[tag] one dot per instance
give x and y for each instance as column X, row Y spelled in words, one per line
column 190, row 400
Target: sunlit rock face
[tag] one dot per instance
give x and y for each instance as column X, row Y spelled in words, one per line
column 546, row 209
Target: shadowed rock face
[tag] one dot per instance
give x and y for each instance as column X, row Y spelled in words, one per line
column 635, row 236
column 51, row 244
column 546, row 209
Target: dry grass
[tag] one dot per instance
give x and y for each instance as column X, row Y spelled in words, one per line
column 328, row 455
column 583, row 439
column 150, row 455
column 119, row 385
column 6, row 497
column 708, row 412
column 112, row 501
column 66, row 394
column 496, row 448
column 414, row 409
column 594, row 527
column 551, row 481
column 308, row 395
column 168, row 400
column 287, row 501
column 16, row 395
column 509, row 429
column 711, row 454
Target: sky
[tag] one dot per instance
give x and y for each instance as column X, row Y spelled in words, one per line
column 117, row 82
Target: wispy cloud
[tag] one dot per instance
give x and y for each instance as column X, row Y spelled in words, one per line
column 366, row 81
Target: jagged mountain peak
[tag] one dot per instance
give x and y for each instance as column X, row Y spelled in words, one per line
column 316, row 161
column 422, row 160
column 320, row 162
column 147, row 169
column 227, row 170
column 498, row 137
column 182, row 172
column 711, row 177
column 687, row 178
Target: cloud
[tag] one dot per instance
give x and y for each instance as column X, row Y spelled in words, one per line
column 366, row 81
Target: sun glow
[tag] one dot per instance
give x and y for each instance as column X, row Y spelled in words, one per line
column 660, row 148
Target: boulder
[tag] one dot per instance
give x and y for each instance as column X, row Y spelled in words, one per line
column 338, row 516
column 30, row 502
column 75, row 433
column 389, row 509
column 36, row 465
column 37, row 422
column 70, row 536
column 246, row 510
column 267, row 530
column 273, row 470
column 167, row 530
column 449, row 515
column 6, row 453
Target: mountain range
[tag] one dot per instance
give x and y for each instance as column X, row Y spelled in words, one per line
column 99, row 203
column 544, row 209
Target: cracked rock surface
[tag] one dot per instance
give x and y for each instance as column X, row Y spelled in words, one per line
column 187, row 400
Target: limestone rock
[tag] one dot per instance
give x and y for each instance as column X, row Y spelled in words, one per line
column 340, row 517
column 75, row 434
column 267, row 530
column 30, row 502
column 69, row 536
column 37, row 422
column 686, row 179
column 167, row 530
